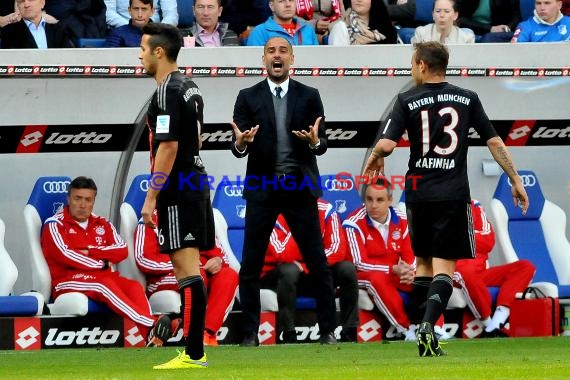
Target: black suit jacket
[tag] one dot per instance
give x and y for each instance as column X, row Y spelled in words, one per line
column 254, row 106
column 18, row 36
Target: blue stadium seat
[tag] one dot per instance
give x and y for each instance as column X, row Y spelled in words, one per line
column 48, row 196
column 10, row 305
column 539, row 236
column 228, row 200
column 424, row 11
column 91, row 42
column 161, row 302
column 185, row 13
column 341, row 191
column 130, row 212
column 526, row 8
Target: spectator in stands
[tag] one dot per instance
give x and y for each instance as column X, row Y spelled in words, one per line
column 130, row 35
column 473, row 277
column 80, row 249
column 547, row 25
column 284, row 24
column 493, row 20
column 285, row 272
column 82, row 18
column 118, row 12
column 33, row 31
column 566, row 7
column 443, row 29
column 221, row 281
column 207, row 29
column 379, row 242
column 366, row 22
column 321, row 14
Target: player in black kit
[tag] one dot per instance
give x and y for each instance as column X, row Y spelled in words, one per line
column 437, row 116
column 177, row 187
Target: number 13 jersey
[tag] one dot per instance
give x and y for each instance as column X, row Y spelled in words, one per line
column 437, row 118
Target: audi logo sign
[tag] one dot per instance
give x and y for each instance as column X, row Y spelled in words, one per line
column 143, row 185
column 339, row 184
column 233, row 191
column 528, row 180
column 56, row 187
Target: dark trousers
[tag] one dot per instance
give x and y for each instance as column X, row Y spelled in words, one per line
column 288, row 281
column 285, row 280
column 344, row 277
column 300, row 211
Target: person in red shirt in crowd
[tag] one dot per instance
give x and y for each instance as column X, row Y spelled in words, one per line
column 285, row 271
column 220, row 279
column 381, row 250
column 80, row 248
column 474, row 276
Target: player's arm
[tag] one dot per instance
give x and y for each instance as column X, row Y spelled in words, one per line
column 163, row 163
column 391, row 134
column 503, row 158
column 375, row 164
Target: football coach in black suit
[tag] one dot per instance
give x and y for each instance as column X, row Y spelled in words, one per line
column 279, row 124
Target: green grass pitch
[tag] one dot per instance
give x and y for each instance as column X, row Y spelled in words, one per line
column 508, row 358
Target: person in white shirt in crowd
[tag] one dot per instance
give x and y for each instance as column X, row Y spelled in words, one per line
column 443, row 29
column 365, row 22
column 165, row 11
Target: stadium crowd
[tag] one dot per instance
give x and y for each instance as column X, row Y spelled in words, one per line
column 59, row 23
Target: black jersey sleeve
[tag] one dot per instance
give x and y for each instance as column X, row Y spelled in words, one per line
column 481, row 121
column 396, row 124
column 169, row 116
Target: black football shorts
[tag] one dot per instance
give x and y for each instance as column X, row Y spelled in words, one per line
column 442, row 229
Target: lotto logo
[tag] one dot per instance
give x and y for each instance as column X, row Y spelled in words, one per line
column 27, row 334
column 27, row 338
column 266, row 332
column 31, row 138
column 370, row 330
column 133, row 336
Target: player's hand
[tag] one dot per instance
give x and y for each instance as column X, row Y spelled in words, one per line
column 213, row 265
column 520, row 197
column 312, row 135
column 374, row 166
column 147, row 212
column 245, row 137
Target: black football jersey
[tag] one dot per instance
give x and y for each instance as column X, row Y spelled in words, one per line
column 437, row 118
column 175, row 113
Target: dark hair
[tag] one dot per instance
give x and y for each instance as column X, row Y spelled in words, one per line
column 219, row 4
column 379, row 183
column 453, row 5
column 145, row 2
column 434, row 54
column 379, row 20
column 82, row 183
column 166, row 36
